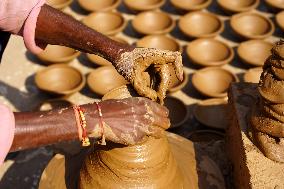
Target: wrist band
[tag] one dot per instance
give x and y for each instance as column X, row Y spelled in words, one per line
column 81, row 124
column 101, row 123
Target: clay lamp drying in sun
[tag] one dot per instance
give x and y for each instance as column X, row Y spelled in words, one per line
column 104, row 79
column 159, row 42
column 145, row 5
column 200, row 24
column 213, row 81
column 59, row 4
column 190, row 5
column 250, row 25
column 177, row 111
column 253, row 75
column 60, row 80
column 99, row 5
column 254, row 52
column 231, row 6
column 212, row 113
column 280, row 20
column 217, row 53
column 108, row 23
column 153, row 22
column 275, row 5
column 55, row 54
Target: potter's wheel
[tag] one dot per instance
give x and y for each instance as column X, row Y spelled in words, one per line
column 184, row 151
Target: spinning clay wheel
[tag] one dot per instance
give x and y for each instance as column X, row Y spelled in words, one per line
column 169, row 162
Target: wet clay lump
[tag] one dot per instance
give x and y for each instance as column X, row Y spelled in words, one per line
column 149, row 164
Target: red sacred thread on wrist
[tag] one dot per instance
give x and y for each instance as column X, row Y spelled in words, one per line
column 81, row 124
column 101, row 123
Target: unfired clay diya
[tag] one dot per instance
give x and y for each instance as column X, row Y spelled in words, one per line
column 275, row 4
column 217, row 53
column 213, row 81
column 200, row 24
column 250, row 25
column 55, row 54
column 99, row 5
column 178, row 111
column 144, row 5
column 212, row 113
column 254, row 52
column 238, row 6
column 153, row 22
column 168, row 162
column 108, row 23
column 100, row 60
column 253, row 75
column 60, row 79
column 59, row 4
column 159, row 42
column 280, row 20
column 104, row 79
column 267, row 115
column 191, row 5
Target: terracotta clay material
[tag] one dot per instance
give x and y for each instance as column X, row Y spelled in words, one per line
column 183, row 150
column 175, row 84
column 144, row 5
column 205, row 136
column 60, row 80
column 159, row 42
column 178, row 111
column 253, row 75
column 104, row 79
column 267, row 118
column 271, row 147
column 191, row 5
column 200, row 24
column 100, row 60
column 153, row 22
column 212, row 113
column 275, row 4
column 250, row 25
column 99, row 5
column 108, row 23
column 238, row 6
column 54, row 103
column 55, row 54
column 254, row 52
column 270, row 123
column 213, row 81
column 209, row 52
column 59, row 4
column 280, row 20
column 271, row 88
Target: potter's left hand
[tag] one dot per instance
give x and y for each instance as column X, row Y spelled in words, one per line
column 127, row 121
column 133, row 64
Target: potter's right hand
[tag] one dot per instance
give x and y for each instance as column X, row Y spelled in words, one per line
column 128, row 120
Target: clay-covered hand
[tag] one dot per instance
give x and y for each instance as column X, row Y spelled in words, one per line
column 128, row 120
column 132, row 65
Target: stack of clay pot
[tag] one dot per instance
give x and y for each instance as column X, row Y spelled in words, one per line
column 267, row 119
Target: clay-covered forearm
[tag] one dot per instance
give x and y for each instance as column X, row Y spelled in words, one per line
column 55, row 27
column 35, row 129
